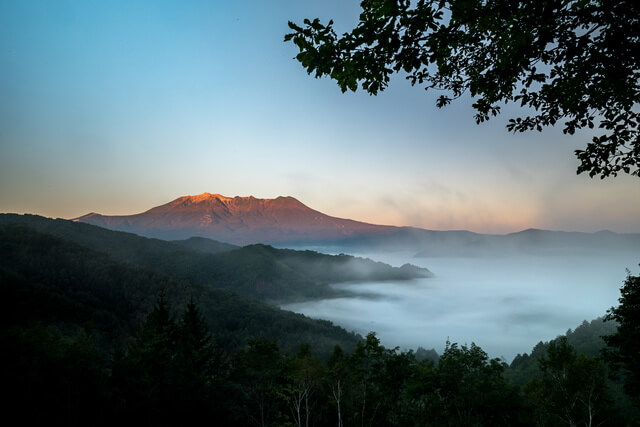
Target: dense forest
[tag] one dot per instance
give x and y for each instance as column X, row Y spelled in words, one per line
column 256, row 271
column 100, row 327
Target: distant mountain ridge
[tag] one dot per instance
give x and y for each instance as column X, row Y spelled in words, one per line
column 256, row 271
column 237, row 220
column 286, row 222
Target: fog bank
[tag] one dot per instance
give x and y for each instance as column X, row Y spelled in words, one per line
column 504, row 304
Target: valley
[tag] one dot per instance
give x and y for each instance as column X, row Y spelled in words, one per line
column 503, row 304
column 503, row 292
column 264, row 315
column 197, row 225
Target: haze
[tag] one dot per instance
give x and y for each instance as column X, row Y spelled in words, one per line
column 505, row 305
column 116, row 107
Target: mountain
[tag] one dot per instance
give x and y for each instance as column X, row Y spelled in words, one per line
column 256, row 271
column 203, row 244
column 462, row 243
column 237, row 220
column 530, row 242
column 51, row 281
column 286, row 222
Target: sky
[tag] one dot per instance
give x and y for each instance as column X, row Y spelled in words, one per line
column 116, row 107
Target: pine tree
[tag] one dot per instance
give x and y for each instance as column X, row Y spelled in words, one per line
column 198, row 364
column 148, row 371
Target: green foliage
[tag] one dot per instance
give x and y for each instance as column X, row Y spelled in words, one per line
column 260, row 374
column 367, row 366
column 337, row 379
column 171, row 369
column 575, row 62
column 571, row 390
column 306, row 377
column 586, row 339
column 378, row 386
column 147, row 376
column 341, row 268
column 196, row 352
column 203, row 244
column 470, row 389
column 48, row 378
column 257, row 271
column 45, row 278
column 88, row 340
column 624, row 346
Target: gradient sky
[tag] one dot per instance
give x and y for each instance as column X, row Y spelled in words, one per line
column 119, row 106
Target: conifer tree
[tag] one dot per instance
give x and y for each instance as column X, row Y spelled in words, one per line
column 148, row 371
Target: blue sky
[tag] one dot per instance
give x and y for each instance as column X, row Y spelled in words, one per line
column 116, row 107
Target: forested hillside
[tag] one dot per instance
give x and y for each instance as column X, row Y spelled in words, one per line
column 257, row 271
column 51, row 281
column 203, row 244
column 90, row 340
column 586, row 339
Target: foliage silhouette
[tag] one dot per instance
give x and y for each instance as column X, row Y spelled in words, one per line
column 571, row 389
column 575, row 62
column 87, row 340
column 623, row 349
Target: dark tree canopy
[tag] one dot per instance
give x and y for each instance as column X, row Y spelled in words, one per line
column 624, row 346
column 569, row 61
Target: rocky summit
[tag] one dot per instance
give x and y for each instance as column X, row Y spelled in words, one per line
column 238, row 220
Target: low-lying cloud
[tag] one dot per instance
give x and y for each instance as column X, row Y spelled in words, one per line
column 504, row 304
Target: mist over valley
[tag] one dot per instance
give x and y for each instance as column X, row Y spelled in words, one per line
column 238, row 318
column 504, row 304
column 503, row 292
column 310, row 214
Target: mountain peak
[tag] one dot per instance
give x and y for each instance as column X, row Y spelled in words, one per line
column 239, row 220
column 210, row 196
column 207, row 196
